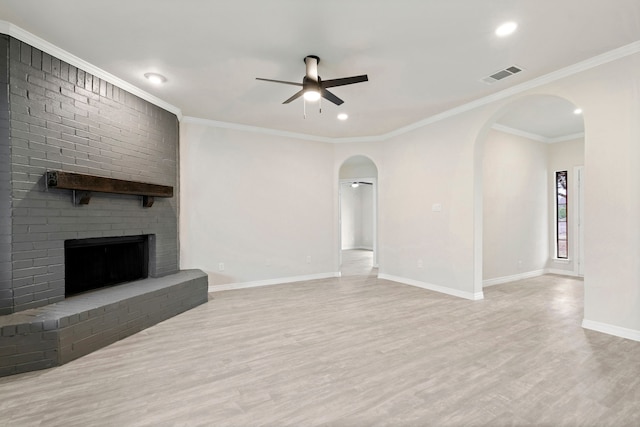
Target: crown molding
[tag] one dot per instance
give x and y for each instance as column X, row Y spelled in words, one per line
column 535, row 136
column 518, row 132
column 587, row 64
column 254, row 129
column 277, row 132
column 37, row 42
column 53, row 50
column 570, row 137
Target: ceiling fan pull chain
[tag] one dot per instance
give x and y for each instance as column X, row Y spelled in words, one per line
column 304, row 108
column 320, row 105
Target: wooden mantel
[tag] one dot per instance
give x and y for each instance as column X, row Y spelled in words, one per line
column 82, row 186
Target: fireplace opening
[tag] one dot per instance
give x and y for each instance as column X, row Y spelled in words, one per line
column 104, row 261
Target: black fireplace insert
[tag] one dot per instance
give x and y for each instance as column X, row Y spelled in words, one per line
column 104, row 261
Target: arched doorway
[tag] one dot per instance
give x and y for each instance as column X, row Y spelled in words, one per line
column 528, row 196
column 358, row 217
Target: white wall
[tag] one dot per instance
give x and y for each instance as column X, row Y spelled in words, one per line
column 441, row 162
column 365, row 240
column 349, row 206
column 431, row 165
column 259, row 204
column 519, row 205
column 563, row 156
column 244, row 199
column 609, row 95
column 358, row 167
column 515, row 206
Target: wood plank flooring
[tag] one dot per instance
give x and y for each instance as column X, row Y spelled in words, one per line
column 357, row 262
column 353, row 351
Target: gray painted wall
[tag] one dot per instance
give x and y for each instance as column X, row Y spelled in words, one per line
column 6, row 291
column 63, row 118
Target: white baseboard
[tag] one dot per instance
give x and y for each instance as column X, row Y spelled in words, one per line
column 527, row 275
column 513, row 278
column 436, row 288
column 618, row 331
column 561, row 272
column 358, row 248
column 269, row 282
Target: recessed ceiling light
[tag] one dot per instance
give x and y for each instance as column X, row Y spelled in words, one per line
column 506, row 29
column 155, row 78
column 343, row 116
column 577, row 111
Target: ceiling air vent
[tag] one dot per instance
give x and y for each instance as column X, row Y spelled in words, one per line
column 502, row 74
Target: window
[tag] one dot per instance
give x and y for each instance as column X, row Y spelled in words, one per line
column 561, row 215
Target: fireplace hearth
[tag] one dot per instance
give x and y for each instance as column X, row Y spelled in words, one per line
column 39, row 327
column 106, row 261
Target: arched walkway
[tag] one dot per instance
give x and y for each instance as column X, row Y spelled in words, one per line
column 358, row 215
column 515, row 216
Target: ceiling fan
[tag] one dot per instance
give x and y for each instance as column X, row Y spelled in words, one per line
column 313, row 87
column 356, row 184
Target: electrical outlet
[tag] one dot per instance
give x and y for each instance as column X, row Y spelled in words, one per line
column 308, row 259
column 221, row 266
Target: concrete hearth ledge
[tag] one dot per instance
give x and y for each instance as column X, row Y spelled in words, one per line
column 55, row 334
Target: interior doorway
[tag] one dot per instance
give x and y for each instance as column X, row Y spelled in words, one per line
column 358, row 216
column 357, row 262
column 517, row 214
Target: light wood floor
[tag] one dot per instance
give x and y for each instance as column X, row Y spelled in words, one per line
column 354, row 351
column 357, row 262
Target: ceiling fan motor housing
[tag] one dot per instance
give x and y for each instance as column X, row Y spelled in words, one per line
column 312, row 62
column 309, row 84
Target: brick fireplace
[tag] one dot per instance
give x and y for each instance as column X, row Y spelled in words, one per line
column 63, row 118
column 55, row 116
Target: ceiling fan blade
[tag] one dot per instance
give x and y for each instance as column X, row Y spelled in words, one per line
column 279, row 81
column 294, row 97
column 331, row 97
column 344, row 81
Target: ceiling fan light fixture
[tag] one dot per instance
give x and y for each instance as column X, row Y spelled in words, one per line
column 155, row 78
column 354, row 185
column 577, row 111
column 343, row 116
column 312, row 95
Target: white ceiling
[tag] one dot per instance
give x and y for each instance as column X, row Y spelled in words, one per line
column 546, row 118
column 422, row 57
